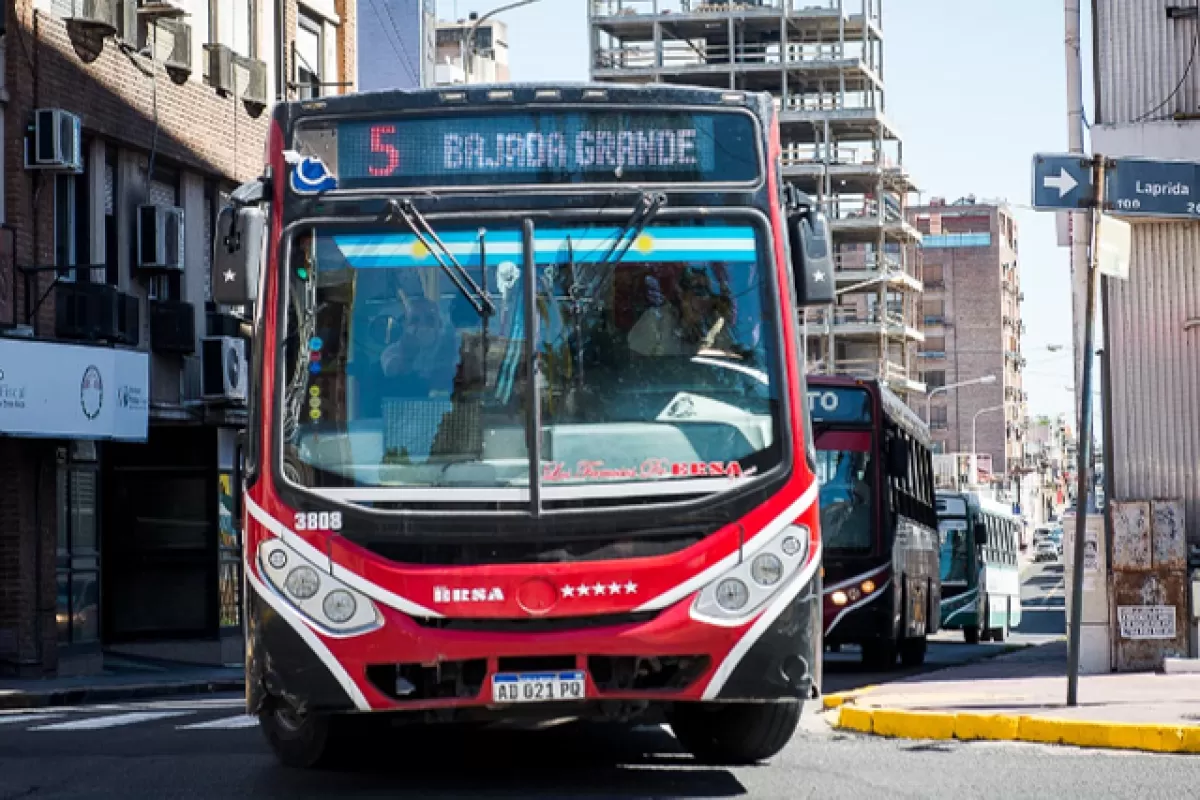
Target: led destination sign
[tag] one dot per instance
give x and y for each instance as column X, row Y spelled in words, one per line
column 569, row 147
column 839, row 404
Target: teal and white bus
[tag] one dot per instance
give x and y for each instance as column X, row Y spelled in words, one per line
column 981, row 585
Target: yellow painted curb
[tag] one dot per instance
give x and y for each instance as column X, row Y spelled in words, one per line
column 904, row 724
column 839, row 699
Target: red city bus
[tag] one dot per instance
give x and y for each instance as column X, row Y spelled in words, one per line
column 527, row 425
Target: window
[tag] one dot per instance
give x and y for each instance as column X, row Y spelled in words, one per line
column 938, row 416
column 935, row 344
column 234, row 23
column 72, row 231
column 935, row 379
column 77, row 555
column 934, row 275
column 308, row 53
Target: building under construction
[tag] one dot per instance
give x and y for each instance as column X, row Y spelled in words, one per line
column 823, row 62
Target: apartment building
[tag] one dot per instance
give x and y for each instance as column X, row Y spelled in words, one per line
column 971, row 318
column 121, row 386
column 472, row 50
column 396, row 44
column 823, row 62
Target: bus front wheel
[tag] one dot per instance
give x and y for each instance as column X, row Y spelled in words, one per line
column 298, row 739
column 912, row 652
column 736, row 733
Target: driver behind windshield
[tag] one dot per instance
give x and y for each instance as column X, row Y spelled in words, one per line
column 698, row 320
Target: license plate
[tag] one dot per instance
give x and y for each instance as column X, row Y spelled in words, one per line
column 537, row 687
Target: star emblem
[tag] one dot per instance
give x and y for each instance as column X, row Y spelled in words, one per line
column 819, row 276
column 614, row 588
column 568, row 591
column 599, row 589
column 631, row 588
column 584, row 590
column 229, row 276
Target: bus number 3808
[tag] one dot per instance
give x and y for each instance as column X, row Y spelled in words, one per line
column 319, row 521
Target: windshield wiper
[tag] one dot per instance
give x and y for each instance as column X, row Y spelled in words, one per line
column 647, row 208
column 424, row 232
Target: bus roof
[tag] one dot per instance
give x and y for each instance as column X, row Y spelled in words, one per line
column 500, row 95
column 893, row 407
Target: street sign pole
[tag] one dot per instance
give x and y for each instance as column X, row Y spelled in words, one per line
column 1083, row 491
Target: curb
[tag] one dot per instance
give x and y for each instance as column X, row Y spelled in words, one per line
column 100, row 694
column 966, row 727
column 839, row 699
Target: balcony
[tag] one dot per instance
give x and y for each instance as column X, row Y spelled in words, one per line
column 96, row 312
column 935, row 320
column 849, row 321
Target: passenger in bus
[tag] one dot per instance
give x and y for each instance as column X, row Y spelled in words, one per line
column 845, row 501
column 424, row 360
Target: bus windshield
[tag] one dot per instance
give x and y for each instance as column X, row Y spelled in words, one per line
column 955, row 550
column 654, row 370
column 844, row 470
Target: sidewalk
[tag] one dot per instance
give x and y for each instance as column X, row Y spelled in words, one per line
column 1022, row 697
column 122, row 679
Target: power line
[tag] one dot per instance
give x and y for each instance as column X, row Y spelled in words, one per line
column 1183, row 78
column 416, row 73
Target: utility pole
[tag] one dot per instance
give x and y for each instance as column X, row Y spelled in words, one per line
column 1084, row 490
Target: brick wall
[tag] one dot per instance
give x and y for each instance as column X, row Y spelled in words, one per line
column 188, row 126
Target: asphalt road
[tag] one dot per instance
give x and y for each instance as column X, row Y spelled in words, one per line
column 206, row 748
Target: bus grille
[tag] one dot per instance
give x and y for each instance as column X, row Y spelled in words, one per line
column 536, row 625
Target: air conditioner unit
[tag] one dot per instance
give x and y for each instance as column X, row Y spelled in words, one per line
column 56, row 141
column 178, row 60
column 220, row 68
column 98, row 16
column 224, row 372
column 254, row 89
column 159, row 238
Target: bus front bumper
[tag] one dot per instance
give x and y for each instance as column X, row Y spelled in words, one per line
column 407, row 666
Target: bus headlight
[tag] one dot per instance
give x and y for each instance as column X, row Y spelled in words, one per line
column 745, row 588
column 303, row 582
column 339, row 606
column 732, row 594
column 766, row 569
column 328, row 604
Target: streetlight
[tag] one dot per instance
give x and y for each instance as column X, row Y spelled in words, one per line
column 986, row 379
column 468, row 40
column 974, row 454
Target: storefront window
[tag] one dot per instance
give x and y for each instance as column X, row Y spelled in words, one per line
column 78, row 550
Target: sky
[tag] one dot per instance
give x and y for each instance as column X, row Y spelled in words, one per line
column 975, row 89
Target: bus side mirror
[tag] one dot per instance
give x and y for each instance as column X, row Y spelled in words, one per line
column 812, row 254
column 980, row 533
column 237, row 254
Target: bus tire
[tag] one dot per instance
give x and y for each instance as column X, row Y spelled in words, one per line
column 912, row 652
column 736, row 733
column 879, row 654
column 299, row 741
column 971, row 634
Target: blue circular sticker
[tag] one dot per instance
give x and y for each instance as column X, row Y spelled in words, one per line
column 314, row 367
column 315, row 343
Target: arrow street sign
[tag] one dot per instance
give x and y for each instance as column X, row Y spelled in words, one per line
column 1138, row 187
column 1061, row 181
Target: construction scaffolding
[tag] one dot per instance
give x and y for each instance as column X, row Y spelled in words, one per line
column 822, row 60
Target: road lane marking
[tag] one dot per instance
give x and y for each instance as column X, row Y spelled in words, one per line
column 225, row 723
column 110, row 721
column 12, row 719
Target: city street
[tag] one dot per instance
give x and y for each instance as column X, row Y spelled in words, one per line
column 205, row 748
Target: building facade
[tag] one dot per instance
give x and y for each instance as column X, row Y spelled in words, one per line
column 971, row 317
column 823, row 62
column 472, row 50
column 1147, row 105
column 128, row 125
column 397, row 40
